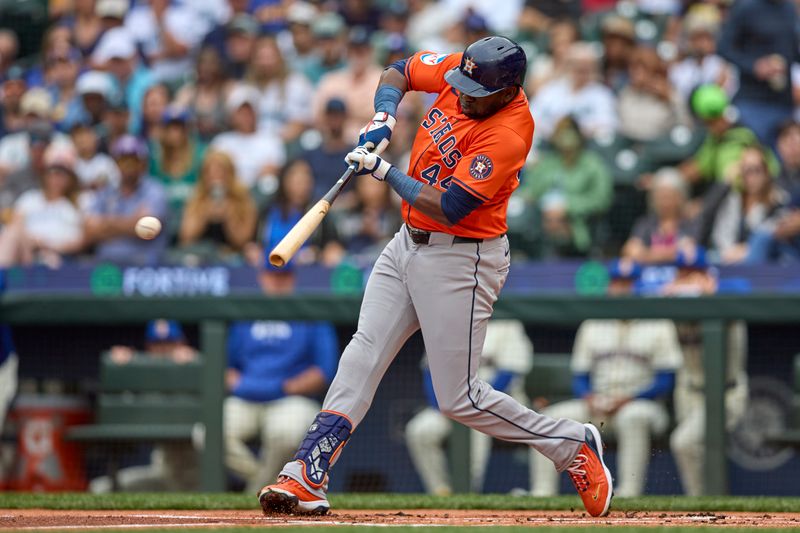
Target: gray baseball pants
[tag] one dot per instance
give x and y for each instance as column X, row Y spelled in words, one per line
column 446, row 289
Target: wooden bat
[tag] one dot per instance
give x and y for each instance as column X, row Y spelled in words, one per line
column 285, row 250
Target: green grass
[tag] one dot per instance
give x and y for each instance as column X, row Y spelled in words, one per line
column 145, row 501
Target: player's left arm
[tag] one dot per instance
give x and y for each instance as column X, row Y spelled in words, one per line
column 477, row 177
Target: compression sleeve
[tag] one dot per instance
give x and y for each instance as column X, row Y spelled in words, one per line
column 407, row 187
column 458, row 203
column 387, row 98
column 502, row 380
column 581, row 385
column 662, row 384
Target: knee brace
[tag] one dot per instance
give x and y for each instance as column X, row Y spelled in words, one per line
column 324, row 440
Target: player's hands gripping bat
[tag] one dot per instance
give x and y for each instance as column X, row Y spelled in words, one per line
column 375, row 136
column 368, row 163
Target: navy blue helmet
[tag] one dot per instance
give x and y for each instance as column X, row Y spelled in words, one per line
column 489, row 66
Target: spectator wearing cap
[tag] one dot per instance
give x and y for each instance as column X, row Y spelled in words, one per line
column 204, row 96
column 284, row 95
column 393, row 47
column 660, row 235
column 46, row 224
column 276, row 370
column 552, row 63
column 220, row 215
column 237, row 40
column 36, row 107
column 298, row 44
column 618, row 36
column 94, row 90
column 167, row 34
column 328, row 31
column 176, row 158
column 622, row 371
column 648, row 106
column 700, row 64
column 60, row 73
column 12, row 88
column 29, row 176
column 717, row 157
column 116, row 53
column 116, row 122
column 85, row 24
column 325, row 159
column 539, row 17
column 354, row 84
column 115, row 210
column 579, row 94
column 570, row 186
column 94, row 168
column 760, row 38
column 742, row 209
column 172, row 466
column 256, row 154
column 111, row 12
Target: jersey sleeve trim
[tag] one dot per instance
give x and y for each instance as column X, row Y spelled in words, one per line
column 408, row 74
column 471, row 190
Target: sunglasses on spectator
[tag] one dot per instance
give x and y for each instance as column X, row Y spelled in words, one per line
column 754, row 169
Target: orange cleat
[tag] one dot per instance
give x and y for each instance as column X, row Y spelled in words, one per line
column 591, row 476
column 288, row 496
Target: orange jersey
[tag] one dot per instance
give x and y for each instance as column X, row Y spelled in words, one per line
column 483, row 156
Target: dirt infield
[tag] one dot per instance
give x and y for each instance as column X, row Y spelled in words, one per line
column 36, row 519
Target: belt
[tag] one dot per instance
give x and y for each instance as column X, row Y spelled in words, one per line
column 419, row 236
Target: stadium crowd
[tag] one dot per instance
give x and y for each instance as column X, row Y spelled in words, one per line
column 661, row 125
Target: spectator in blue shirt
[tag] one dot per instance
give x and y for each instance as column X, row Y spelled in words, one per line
column 275, row 369
column 116, row 209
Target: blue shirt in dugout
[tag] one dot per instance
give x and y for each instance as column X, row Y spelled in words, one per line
column 267, row 353
column 6, row 343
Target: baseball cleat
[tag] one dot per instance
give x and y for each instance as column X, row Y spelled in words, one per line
column 288, row 496
column 591, row 476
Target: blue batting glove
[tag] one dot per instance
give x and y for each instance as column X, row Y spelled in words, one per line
column 375, row 136
column 367, row 162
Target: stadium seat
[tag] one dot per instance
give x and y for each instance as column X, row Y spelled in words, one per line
column 675, row 147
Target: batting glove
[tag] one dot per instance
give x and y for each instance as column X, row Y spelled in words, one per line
column 375, row 136
column 368, row 163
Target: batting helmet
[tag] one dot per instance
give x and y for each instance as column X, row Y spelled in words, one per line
column 489, row 66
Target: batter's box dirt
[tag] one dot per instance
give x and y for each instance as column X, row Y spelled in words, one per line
column 39, row 519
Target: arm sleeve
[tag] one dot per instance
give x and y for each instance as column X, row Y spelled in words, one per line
column 502, row 379
column 581, row 385
column 495, row 157
column 425, row 71
column 662, row 384
column 427, row 384
column 325, row 349
column 457, row 203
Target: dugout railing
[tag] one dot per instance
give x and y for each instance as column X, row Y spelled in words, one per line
column 212, row 314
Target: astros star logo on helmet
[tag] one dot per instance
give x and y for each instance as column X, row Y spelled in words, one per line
column 469, row 66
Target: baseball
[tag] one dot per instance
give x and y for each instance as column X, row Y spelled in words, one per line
column 148, row 228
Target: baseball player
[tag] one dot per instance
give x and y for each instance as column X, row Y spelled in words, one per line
column 621, row 370
column 442, row 271
column 506, row 358
column 8, row 366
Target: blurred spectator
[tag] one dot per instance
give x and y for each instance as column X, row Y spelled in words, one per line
column 176, row 157
column 622, row 370
column 270, row 14
column 473, row 27
column 9, row 48
column 733, row 212
column 298, row 44
column 546, row 67
column 115, row 210
column 506, row 358
column 61, row 72
column 116, row 122
column 539, row 17
column 789, row 153
column 427, row 22
column 116, row 53
column 648, row 105
column 218, row 34
column 173, row 466
column 95, row 169
column 111, row 12
column 659, row 236
column 220, row 212
column 167, row 33
column 36, row 106
column 328, row 30
column 368, row 226
column 501, row 17
column 46, row 224
column 257, row 154
column 84, row 23
column 274, row 370
column 238, row 40
column 760, row 38
column 618, row 36
column 39, row 134
column 327, row 159
column 362, row 13
column 56, row 38
column 204, row 97
column 354, row 84
column 292, row 200
column 95, row 89
column 579, row 94
column 284, row 95
column 571, row 186
column 11, row 91
column 393, row 47
column 154, row 104
column 701, row 64
column 717, row 157
column 687, row 441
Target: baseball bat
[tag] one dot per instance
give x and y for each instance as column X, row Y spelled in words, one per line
column 300, row 232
